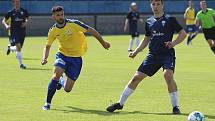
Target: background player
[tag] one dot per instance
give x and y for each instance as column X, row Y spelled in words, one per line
column 189, row 16
column 70, row 34
column 17, row 27
column 132, row 20
column 159, row 33
column 205, row 16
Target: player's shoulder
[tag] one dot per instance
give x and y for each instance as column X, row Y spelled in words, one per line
column 11, row 11
column 53, row 27
column 199, row 12
column 77, row 22
column 210, row 9
column 72, row 20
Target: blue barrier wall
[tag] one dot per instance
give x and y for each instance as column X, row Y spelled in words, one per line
column 96, row 6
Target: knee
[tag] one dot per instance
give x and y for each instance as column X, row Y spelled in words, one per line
column 136, row 79
column 168, row 77
column 56, row 77
column 67, row 90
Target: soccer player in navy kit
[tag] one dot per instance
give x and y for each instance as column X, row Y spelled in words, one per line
column 19, row 18
column 131, row 20
column 159, row 33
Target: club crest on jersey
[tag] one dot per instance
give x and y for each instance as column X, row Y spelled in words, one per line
column 163, row 23
column 69, row 32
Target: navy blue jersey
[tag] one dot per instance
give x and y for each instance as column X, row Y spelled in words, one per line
column 133, row 18
column 17, row 18
column 161, row 30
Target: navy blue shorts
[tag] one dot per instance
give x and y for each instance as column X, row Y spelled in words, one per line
column 191, row 28
column 209, row 33
column 71, row 65
column 153, row 63
column 17, row 38
column 133, row 32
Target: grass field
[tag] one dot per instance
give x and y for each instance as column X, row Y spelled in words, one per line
column 104, row 76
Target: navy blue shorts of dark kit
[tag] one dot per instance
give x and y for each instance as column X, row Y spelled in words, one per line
column 191, row 28
column 209, row 33
column 71, row 65
column 153, row 63
column 134, row 33
column 17, row 38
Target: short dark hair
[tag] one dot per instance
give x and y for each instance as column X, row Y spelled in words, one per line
column 57, row 9
column 157, row 0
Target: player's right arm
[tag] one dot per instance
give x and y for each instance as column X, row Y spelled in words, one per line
column 51, row 38
column 144, row 43
column 141, row 46
column 197, row 21
column 45, row 54
column 4, row 21
column 126, row 25
column 185, row 14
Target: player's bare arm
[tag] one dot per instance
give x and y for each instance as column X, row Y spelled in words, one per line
column 126, row 25
column 45, row 54
column 181, row 36
column 24, row 24
column 143, row 45
column 5, row 24
column 93, row 32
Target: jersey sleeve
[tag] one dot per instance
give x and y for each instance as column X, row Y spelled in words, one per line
column 7, row 16
column 51, row 37
column 138, row 15
column 148, row 32
column 80, row 26
column 176, row 26
column 213, row 11
column 26, row 14
column 198, row 16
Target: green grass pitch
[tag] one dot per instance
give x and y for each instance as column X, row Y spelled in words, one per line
column 103, row 77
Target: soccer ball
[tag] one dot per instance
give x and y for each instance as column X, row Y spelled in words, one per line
column 196, row 116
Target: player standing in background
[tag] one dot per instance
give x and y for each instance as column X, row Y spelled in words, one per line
column 206, row 17
column 70, row 34
column 17, row 27
column 159, row 34
column 132, row 20
column 189, row 16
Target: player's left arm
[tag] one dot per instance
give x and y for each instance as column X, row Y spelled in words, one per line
column 24, row 24
column 181, row 34
column 98, row 36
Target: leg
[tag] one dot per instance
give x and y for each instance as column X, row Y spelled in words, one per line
column 137, row 41
column 189, row 38
column 131, row 43
column 129, row 89
column 172, row 88
column 211, row 43
column 58, row 71
column 68, row 85
column 19, row 55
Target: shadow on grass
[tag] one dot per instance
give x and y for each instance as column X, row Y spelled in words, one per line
column 72, row 109
column 31, row 58
column 38, row 69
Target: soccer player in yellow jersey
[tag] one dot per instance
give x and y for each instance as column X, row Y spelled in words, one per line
column 189, row 16
column 72, row 45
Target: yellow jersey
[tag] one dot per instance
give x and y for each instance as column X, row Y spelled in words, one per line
column 190, row 16
column 71, row 38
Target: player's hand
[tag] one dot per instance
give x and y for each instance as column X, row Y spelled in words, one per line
column 169, row 44
column 7, row 27
column 24, row 24
column 44, row 61
column 106, row 45
column 132, row 54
